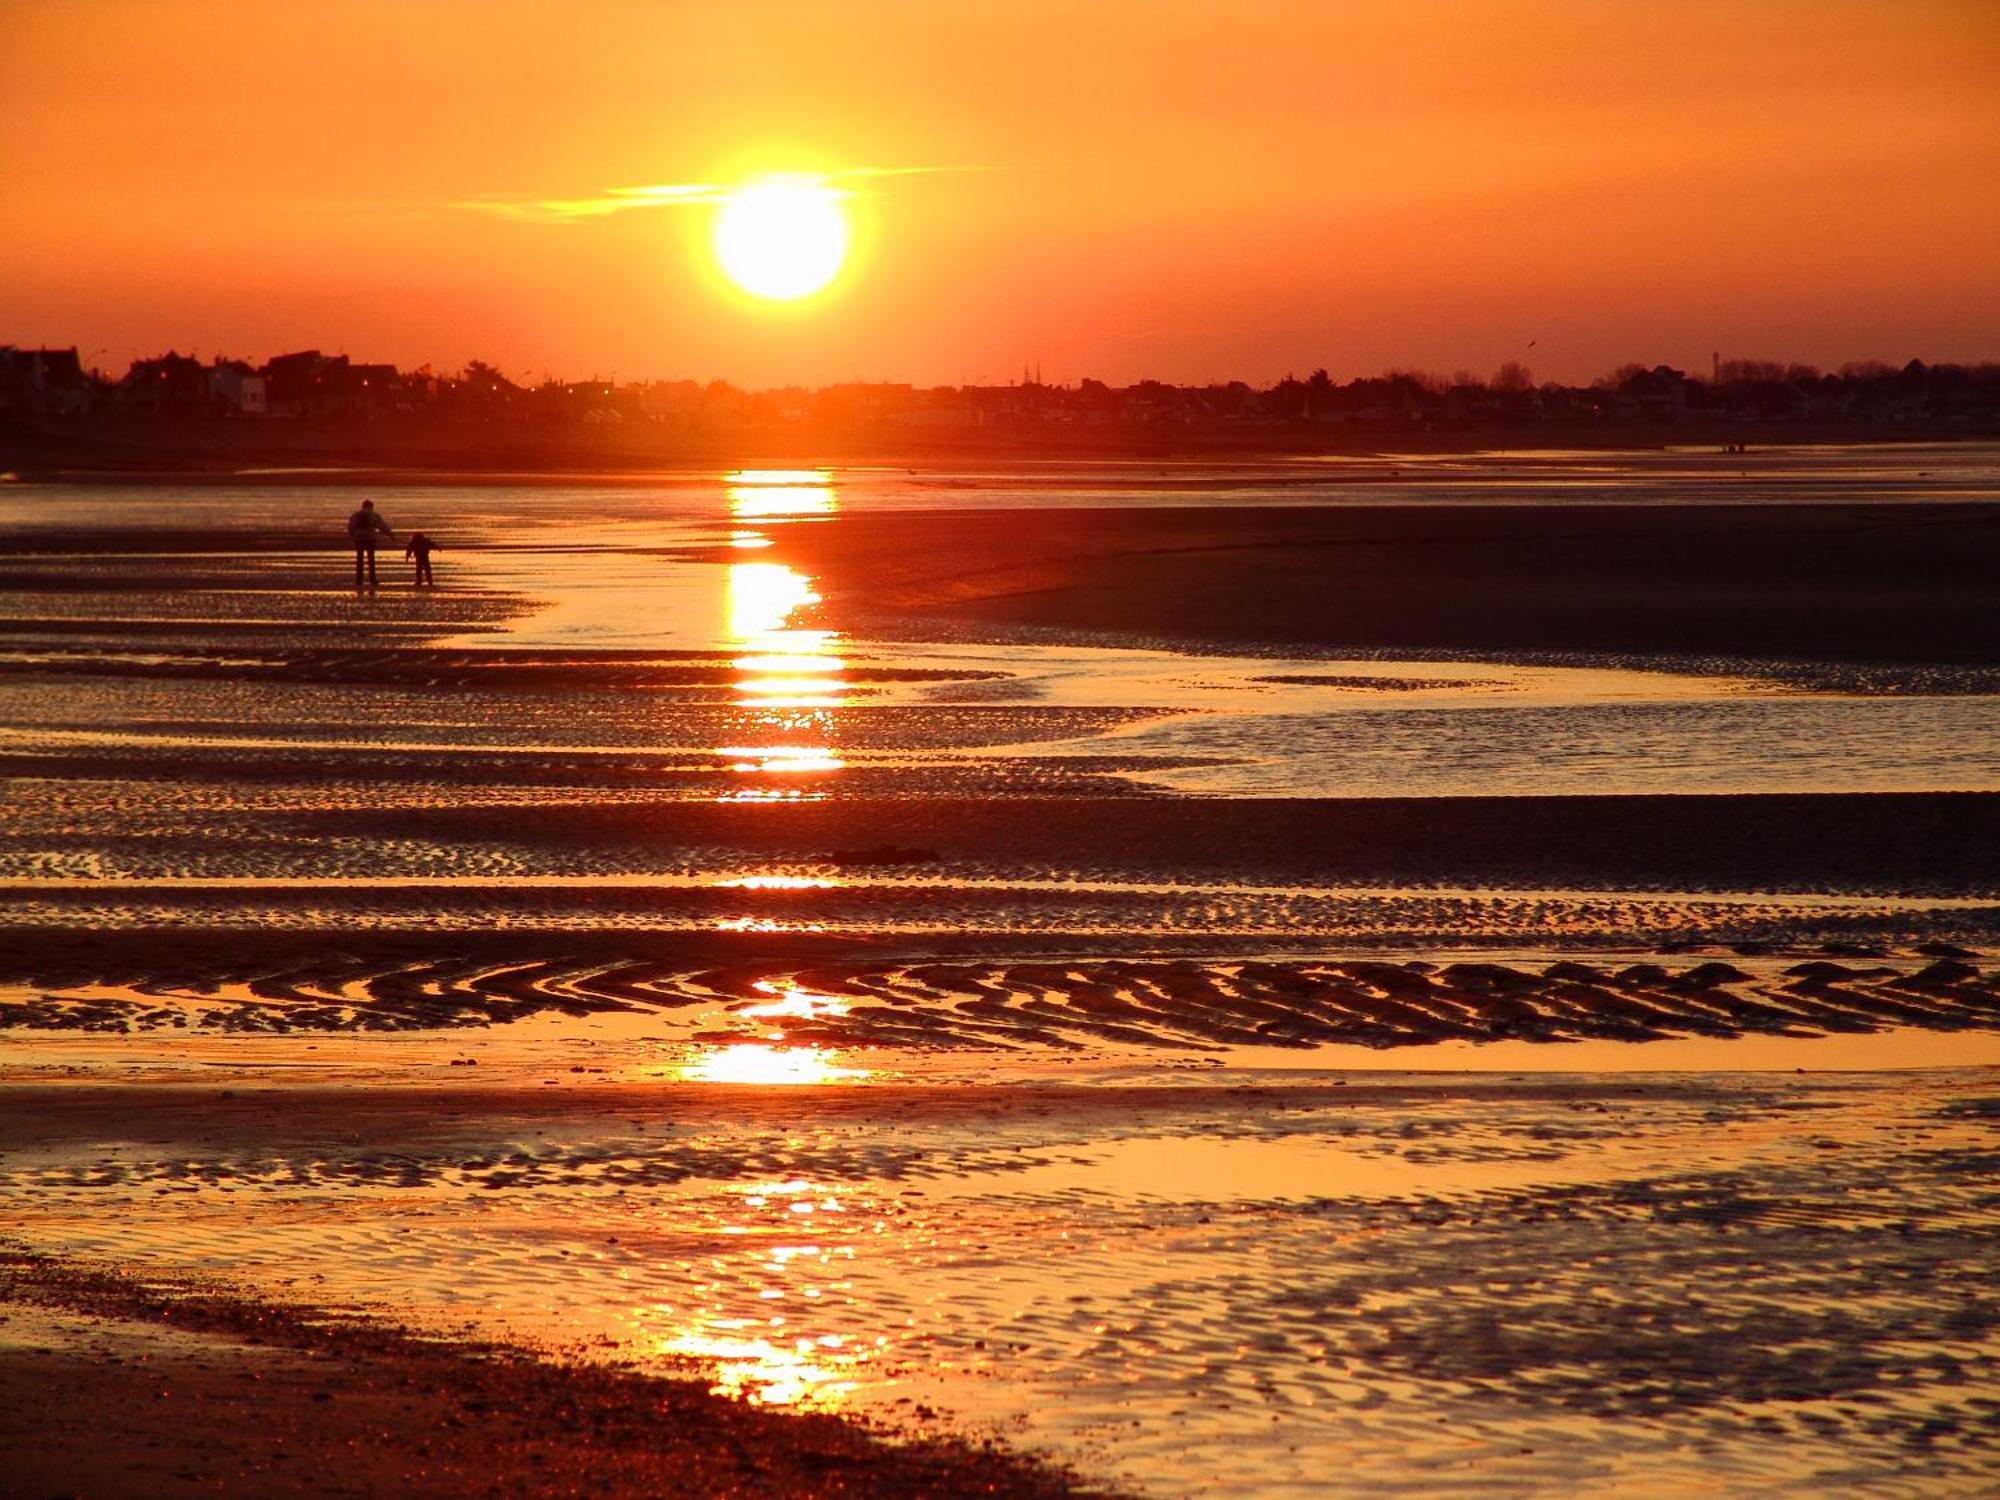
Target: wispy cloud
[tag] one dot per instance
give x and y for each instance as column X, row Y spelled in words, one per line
column 611, row 201
column 620, row 200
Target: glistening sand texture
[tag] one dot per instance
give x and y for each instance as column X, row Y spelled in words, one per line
column 1649, row 1284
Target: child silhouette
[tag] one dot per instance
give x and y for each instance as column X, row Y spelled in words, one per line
column 420, row 548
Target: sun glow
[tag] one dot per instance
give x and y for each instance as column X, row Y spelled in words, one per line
column 781, row 238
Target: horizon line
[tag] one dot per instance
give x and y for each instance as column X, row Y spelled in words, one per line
column 1030, row 372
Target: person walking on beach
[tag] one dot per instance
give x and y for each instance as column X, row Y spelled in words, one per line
column 420, row 549
column 364, row 528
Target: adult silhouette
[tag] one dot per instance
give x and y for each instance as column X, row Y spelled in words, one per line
column 364, row 529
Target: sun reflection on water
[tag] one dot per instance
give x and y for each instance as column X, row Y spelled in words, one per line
column 789, row 674
column 780, row 758
column 763, row 1354
column 790, row 1000
column 762, row 597
column 765, row 924
column 802, row 1373
column 779, row 494
column 768, row 1063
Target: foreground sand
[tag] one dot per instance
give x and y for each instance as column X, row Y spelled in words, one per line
column 1188, row 1278
column 110, row 1388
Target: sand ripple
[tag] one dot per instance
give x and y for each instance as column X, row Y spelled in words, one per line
column 1060, row 1003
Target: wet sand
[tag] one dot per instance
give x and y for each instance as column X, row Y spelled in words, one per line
column 727, row 932
column 174, row 981
column 1919, row 585
column 1906, row 585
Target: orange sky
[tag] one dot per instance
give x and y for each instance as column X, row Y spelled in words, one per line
column 1124, row 188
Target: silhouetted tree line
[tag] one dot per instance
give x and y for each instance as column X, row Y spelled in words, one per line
column 309, row 385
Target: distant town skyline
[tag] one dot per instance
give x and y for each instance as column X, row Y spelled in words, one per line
column 48, row 398
column 1716, row 365
column 1140, row 188
column 1512, row 375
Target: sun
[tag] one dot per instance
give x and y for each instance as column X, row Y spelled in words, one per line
column 781, row 237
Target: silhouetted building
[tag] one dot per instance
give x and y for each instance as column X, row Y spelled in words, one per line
column 43, row 382
column 1658, row 394
column 172, row 385
column 295, row 384
column 238, row 388
column 370, row 390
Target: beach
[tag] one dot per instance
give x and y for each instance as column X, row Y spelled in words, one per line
column 1442, row 973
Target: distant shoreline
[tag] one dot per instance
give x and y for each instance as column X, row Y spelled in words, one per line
column 137, row 449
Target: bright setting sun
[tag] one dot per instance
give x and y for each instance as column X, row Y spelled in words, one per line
column 781, row 237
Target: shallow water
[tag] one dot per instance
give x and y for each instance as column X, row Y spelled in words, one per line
column 1737, row 744
column 1774, row 474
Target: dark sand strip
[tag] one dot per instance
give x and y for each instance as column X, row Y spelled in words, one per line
column 251, row 1397
column 1942, row 843
column 317, row 1121
column 1834, row 583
